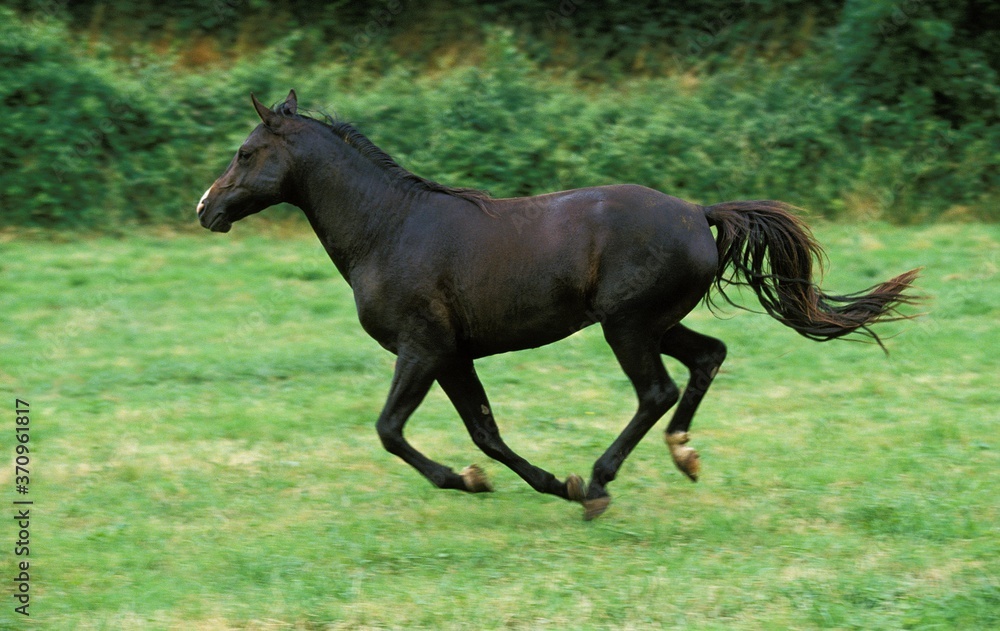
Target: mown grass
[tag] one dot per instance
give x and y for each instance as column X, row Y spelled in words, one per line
column 204, row 456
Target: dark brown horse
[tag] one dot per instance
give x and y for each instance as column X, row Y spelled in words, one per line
column 443, row 276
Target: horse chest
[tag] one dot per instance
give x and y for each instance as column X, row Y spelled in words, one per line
column 393, row 317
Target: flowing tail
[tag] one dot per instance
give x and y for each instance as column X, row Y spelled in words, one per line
column 764, row 246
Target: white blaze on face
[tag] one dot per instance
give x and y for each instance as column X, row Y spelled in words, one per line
column 201, row 202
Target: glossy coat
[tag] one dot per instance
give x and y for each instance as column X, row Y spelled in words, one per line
column 443, row 276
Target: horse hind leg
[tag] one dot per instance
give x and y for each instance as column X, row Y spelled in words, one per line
column 702, row 355
column 639, row 358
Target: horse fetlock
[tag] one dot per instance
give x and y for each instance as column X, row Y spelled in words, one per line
column 475, row 480
column 593, row 508
column 686, row 458
column 574, row 488
column 596, row 500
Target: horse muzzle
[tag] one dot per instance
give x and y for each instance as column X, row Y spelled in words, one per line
column 216, row 222
column 213, row 219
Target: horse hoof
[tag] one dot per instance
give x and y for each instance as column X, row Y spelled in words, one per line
column 475, row 480
column 595, row 507
column 574, row 488
column 684, row 457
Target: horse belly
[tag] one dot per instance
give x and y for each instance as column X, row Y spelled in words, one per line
column 521, row 316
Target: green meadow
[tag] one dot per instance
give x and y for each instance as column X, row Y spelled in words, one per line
column 203, row 454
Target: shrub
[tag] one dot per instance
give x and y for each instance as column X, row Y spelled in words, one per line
column 71, row 123
column 91, row 140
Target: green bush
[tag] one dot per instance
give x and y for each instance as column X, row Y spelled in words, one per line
column 93, row 140
column 70, row 120
column 754, row 133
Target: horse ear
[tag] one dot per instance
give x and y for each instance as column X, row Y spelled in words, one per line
column 270, row 118
column 291, row 103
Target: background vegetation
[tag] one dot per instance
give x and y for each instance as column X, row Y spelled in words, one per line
column 126, row 111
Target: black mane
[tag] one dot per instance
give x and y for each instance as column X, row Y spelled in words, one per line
column 349, row 134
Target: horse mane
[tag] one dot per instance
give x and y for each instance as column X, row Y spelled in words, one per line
column 370, row 152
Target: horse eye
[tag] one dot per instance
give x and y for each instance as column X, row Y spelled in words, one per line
column 242, row 155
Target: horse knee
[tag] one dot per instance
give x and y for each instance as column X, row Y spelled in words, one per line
column 487, row 443
column 489, row 448
column 391, row 437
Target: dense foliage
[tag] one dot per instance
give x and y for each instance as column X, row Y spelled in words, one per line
column 872, row 109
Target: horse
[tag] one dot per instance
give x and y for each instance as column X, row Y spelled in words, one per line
column 443, row 276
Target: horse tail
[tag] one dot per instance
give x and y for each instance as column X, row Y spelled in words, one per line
column 764, row 246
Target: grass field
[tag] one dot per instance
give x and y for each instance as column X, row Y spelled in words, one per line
column 204, row 455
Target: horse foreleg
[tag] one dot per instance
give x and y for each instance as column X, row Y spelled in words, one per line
column 461, row 383
column 702, row 355
column 410, row 383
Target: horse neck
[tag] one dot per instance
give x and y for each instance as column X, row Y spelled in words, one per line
column 354, row 208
